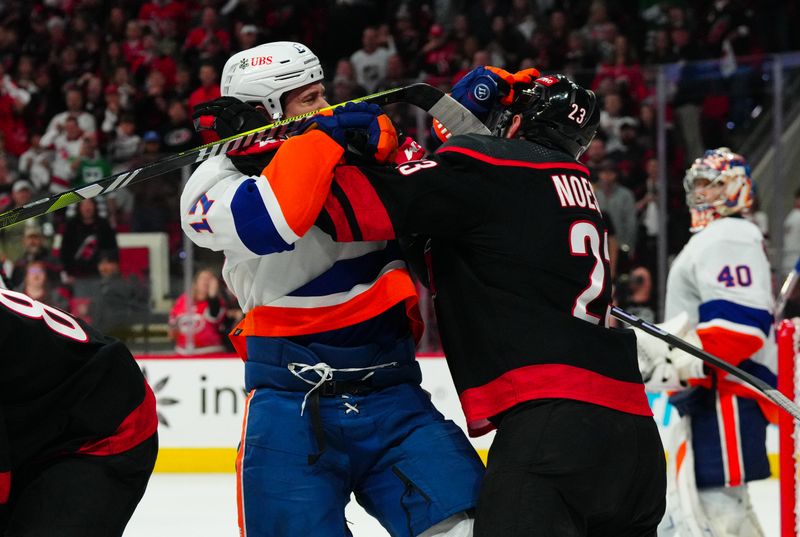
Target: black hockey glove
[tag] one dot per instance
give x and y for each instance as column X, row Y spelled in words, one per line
column 227, row 116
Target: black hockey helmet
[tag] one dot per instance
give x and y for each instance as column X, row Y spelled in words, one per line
column 555, row 112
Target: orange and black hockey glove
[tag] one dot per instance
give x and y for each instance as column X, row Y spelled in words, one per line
column 362, row 129
column 479, row 92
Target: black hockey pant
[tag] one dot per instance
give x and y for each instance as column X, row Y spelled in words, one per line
column 78, row 495
column 562, row 468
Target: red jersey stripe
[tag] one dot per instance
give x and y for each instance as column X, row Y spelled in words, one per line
column 371, row 215
column 729, row 435
column 517, row 163
column 544, row 381
column 137, row 427
column 340, row 224
column 5, row 486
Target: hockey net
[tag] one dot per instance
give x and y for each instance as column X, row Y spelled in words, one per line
column 788, row 336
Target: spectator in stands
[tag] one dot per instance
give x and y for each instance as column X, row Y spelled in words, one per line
column 198, row 331
column 521, row 17
column 647, row 213
column 111, row 111
column 11, row 237
column 791, row 237
column 622, row 71
column 85, row 235
column 91, row 165
column 437, row 54
column 116, row 301
column 178, row 133
column 247, row 37
column 151, row 108
column 506, row 45
column 126, row 143
column 34, row 248
column 692, row 89
column 617, row 202
column 13, row 100
column 408, row 39
column 198, row 39
column 627, row 154
column 66, row 146
column 34, row 164
column 164, row 16
column 39, row 285
column 208, row 91
column 133, row 46
column 370, row 60
column 75, row 109
column 611, row 116
column 594, row 156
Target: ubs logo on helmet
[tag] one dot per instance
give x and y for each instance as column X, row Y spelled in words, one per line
column 481, row 92
column 255, row 61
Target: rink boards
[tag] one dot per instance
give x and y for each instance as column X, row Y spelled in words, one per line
column 200, row 401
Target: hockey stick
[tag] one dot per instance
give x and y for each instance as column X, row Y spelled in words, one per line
column 768, row 391
column 786, row 291
column 432, row 100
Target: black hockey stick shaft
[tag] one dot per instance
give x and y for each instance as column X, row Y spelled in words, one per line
column 768, row 391
column 432, row 100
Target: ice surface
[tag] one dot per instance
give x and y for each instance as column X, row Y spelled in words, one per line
column 204, row 505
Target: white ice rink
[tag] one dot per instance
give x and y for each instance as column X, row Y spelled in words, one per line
column 204, row 505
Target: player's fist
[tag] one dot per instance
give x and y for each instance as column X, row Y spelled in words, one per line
column 483, row 88
column 227, row 116
column 362, row 129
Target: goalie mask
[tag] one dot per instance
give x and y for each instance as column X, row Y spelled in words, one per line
column 262, row 75
column 717, row 185
column 555, row 112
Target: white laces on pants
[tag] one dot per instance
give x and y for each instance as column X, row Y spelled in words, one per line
column 326, row 372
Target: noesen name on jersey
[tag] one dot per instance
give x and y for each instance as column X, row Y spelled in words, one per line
column 575, row 191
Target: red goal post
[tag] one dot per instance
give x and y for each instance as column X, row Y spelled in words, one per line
column 788, row 336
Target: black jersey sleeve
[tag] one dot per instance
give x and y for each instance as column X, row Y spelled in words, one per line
column 439, row 196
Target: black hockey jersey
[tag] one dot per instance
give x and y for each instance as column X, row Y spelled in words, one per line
column 518, row 266
column 64, row 388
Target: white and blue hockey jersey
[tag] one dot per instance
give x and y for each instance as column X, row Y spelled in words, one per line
column 290, row 278
column 722, row 279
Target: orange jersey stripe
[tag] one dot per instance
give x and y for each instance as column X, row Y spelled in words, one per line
column 393, row 287
column 239, row 460
column 300, row 176
column 731, row 346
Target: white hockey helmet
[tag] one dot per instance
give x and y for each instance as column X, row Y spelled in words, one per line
column 262, row 74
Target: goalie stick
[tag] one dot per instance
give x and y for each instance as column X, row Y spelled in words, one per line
column 768, row 391
column 435, row 102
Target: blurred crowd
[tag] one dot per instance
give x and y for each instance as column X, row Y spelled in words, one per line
column 89, row 88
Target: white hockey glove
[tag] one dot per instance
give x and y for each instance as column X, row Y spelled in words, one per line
column 664, row 367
